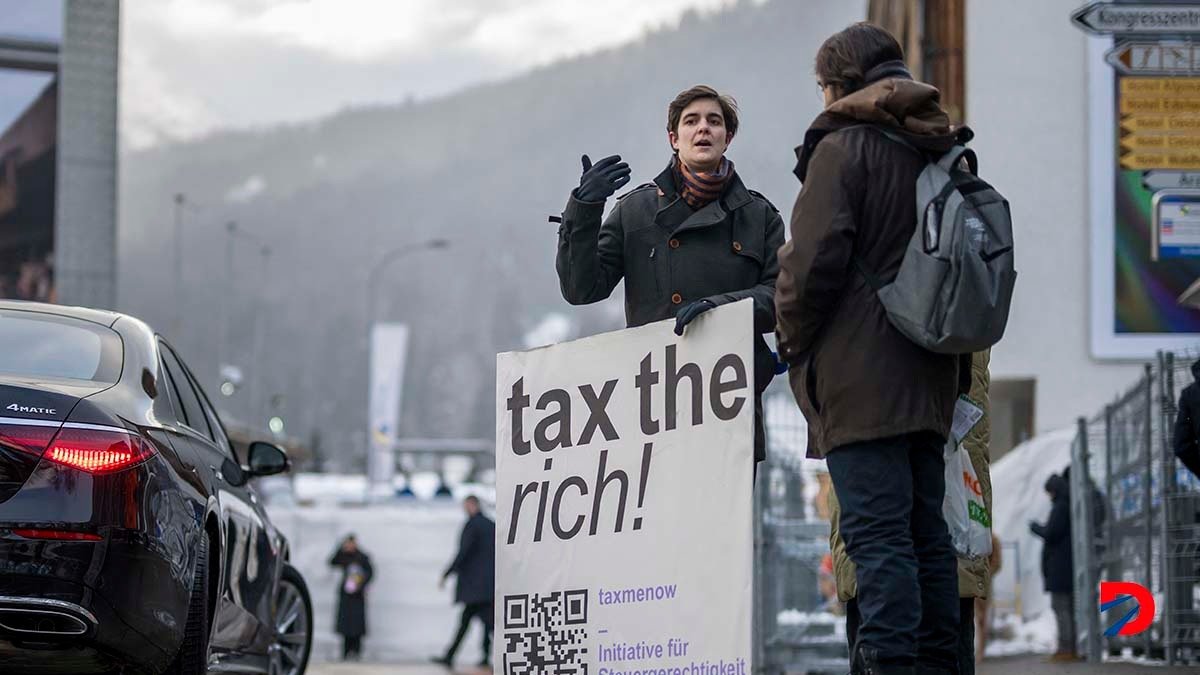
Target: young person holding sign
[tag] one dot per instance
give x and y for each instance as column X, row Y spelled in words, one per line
column 691, row 240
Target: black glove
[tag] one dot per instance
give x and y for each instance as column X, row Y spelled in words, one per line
column 600, row 181
column 690, row 311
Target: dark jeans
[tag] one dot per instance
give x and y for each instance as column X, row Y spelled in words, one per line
column 484, row 611
column 966, row 632
column 351, row 647
column 891, row 492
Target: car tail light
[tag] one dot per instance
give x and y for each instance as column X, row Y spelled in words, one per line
column 56, row 535
column 27, row 438
column 98, row 451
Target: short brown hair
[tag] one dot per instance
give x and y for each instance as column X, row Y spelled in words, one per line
column 729, row 107
column 844, row 59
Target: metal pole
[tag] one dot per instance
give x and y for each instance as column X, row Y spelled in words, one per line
column 259, row 319
column 226, row 302
column 1166, row 379
column 1147, row 497
column 177, row 323
column 1091, row 569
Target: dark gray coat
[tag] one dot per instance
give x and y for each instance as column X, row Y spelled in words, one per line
column 475, row 563
column 670, row 255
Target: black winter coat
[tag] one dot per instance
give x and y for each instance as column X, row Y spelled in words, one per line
column 352, row 607
column 1057, row 554
column 670, row 255
column 475, row 563
column 1187, row 425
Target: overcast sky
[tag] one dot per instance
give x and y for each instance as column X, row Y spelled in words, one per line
column 191, row 66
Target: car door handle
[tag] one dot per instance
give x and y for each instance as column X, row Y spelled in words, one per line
column 217, row 472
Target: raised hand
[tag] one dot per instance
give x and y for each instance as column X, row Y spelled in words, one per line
column 600, row 180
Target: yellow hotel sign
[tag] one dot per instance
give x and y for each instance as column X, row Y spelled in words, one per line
column 1160, row 123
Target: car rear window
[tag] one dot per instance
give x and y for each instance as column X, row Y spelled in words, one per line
column 33, row 344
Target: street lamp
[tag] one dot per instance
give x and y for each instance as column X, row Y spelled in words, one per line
column 387, row 259
column 379, row 468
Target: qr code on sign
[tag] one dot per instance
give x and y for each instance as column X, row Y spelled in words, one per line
column 546, row 634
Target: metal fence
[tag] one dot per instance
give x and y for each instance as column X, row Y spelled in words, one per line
column 1135, row 516
column 797, row 630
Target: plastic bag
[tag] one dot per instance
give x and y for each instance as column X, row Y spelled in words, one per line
column 968, row 519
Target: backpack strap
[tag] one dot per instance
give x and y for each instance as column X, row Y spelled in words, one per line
column 959, row 152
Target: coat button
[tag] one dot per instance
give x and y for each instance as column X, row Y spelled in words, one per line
column 737, row 246
column 674, row 243
column 676, row 298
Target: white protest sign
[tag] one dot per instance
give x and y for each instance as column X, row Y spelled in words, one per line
column 624, row 472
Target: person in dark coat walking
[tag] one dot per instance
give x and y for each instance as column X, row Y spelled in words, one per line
column 475, row 566
column 1187, row 424
column 352, row 599
column 1057, row 564
column 878, row 406
column 691, row 240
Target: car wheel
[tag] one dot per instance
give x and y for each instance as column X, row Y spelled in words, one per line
column 293, row 625
column 192, row 658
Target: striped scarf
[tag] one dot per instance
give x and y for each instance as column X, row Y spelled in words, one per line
column 700, row 189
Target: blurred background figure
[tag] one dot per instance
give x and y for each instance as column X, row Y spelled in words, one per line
column 1187, row 421
column 475, row 566
column 983, row 619
column 1057, row 564
column 352, row 602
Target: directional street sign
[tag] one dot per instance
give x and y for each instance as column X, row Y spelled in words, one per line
column 1159, row 123
column 1155, row 58
column 1171, row 180
column 1104, row 18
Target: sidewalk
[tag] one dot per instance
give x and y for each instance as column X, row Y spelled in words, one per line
column 1014, row 665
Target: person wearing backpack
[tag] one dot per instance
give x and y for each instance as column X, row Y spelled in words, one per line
column 878, row 404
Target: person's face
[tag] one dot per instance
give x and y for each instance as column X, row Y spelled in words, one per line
column 829, row 92
column 350, row 546
column 701, row 137
column 471, row 508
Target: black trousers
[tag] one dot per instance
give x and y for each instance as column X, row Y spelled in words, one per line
column 351, row 646
column 966, row 632
column 891, row 492
column 484, row 611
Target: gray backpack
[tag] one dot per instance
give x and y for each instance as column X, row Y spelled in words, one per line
column 955, row 284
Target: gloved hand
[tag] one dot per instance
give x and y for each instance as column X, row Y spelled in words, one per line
column 690, row 311
column 601, row 180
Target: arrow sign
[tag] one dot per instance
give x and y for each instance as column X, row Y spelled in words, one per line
column 1105, row 18
column 1155, row 58
column 1170, row 180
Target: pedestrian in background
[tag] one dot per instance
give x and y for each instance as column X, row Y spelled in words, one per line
column 475, row 566
column 352, row 599
column 1058, row 566
column 983, row 605
column 1187, row 424
column 879, row 406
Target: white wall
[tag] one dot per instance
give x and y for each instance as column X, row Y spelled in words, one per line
column 1027, row 102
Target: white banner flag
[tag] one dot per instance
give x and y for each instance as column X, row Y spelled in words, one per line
column 389, row 345
column 624, row 517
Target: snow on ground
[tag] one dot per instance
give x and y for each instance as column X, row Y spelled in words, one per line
column 1035, row 636
column 410, row 544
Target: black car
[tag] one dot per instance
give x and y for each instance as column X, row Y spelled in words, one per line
column 130, row 538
